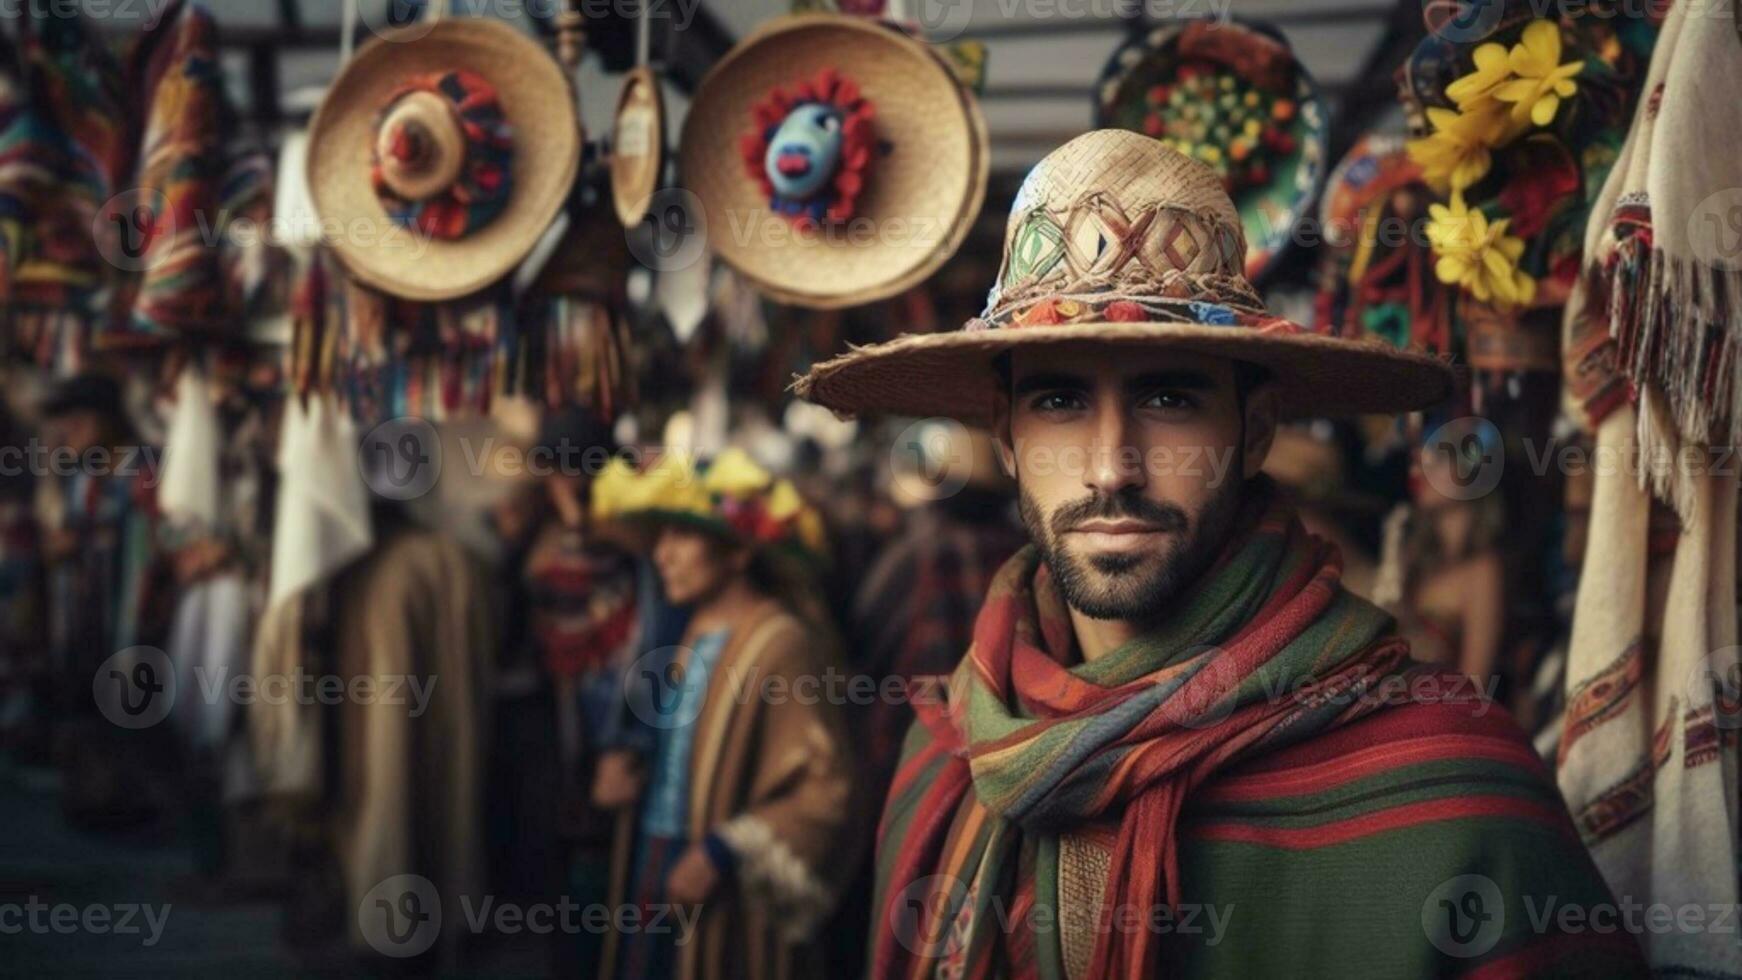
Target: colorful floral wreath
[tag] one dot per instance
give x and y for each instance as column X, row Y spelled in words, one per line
column 482, row 189
column 835, row 198
column 731, row 495
column 1516, row 143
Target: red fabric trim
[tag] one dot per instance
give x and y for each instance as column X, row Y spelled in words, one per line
column 1367, row 825
column 1325, row 776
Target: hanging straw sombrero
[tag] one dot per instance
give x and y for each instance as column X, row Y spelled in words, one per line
column 637, row 146
column 837, row 160
column 440, row 154
column 1119, row 240
column 1232, row 95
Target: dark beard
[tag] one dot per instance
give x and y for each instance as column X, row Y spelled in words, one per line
column 1130, row 587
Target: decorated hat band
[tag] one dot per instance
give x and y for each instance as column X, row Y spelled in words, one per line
column 442, row 154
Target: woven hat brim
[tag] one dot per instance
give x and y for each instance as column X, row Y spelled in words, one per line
column 950, row 375
column 919, row 199
column 535, row 97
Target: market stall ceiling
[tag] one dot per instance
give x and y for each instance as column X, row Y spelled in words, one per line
column 1043, row 55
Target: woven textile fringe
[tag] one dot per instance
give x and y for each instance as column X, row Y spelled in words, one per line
column 1653, row 265
column 1675, row 322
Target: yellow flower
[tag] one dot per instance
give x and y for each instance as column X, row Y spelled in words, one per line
column 788, row 507
column 1492, row 71
column 784, row 501
column 734, row 474
column 1542, row 80
column 1455, row 155
column 1477, row 255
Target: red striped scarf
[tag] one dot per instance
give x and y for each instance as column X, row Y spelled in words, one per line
column 1264, row 650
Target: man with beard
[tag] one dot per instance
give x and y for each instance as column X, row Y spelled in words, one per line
column 1176, row 745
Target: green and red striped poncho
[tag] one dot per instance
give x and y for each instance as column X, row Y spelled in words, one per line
column 1262, row 786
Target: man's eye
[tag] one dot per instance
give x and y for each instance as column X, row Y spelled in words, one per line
column 1056, row 401
column 1169, row 401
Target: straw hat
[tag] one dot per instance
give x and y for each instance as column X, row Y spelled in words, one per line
column 861, row 213
column 441, row 153
column 1233, row 95
column 637, row 146
column 1117, row 239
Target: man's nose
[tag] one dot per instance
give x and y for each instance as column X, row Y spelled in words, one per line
column 1110, row 468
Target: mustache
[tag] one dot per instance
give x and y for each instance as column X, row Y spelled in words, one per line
column 1165, row 517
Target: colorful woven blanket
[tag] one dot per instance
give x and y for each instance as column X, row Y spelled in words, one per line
column 1263, row 664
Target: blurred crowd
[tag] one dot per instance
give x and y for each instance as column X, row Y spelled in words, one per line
column 505, row 692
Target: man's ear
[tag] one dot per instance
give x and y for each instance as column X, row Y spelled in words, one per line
column 1001, row 441
column 1262, row 409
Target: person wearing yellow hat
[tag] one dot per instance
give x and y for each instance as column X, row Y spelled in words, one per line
column 747, row 800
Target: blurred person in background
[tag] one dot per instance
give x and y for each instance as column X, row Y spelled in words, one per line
column 108, row 584
column 23, row 666
column 747, row 819
column 577, row 613
column 914, row 611
column 382, row 775
column 1442, row 573
column 1311, row 471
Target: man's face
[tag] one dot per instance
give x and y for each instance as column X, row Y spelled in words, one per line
column 1130, row 464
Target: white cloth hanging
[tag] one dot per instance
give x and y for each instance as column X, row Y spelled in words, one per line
column 322, row 520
